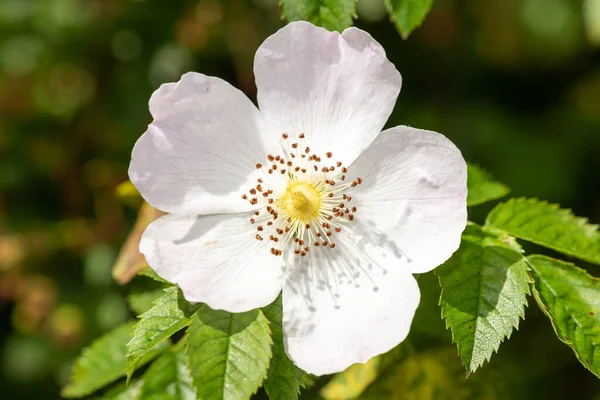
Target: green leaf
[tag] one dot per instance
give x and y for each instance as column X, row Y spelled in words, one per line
column 103, row 362
column 150, row 273
column 169, row 314
column 142, row 301
column 168, row 378
column 484, row 291
column 228, row 354
column 483, row 187
column 284, row 379
column 408, row 15
column 570, row 297
column 123, row 391
column 549, row 226
column 143, row 293
column 334, row 15
column 434, row 374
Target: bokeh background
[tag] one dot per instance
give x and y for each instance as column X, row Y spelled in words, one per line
column 514, row 83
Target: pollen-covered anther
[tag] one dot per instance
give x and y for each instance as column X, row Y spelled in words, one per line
column 308, row 194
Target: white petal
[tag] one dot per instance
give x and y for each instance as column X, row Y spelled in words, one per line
column 199, row 155
column 341, row 306
column 414, row 192
column 337, row 89
column 214, row 259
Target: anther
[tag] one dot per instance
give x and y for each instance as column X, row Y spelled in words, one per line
column 329, row 154
column 259, row 228
column 258, row 237
column 294, row 145
column 270, row 158
column 258, row 166
column 301, row 136
column 332, row 245
column 254, row 201
column 285, row 135
column 244, row 197
column 252, row 220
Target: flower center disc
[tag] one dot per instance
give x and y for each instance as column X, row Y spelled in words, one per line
column 301, row 200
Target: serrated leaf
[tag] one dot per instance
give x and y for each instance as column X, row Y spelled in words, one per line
column 334, row 15
column 123, row 391
column 549, row 226
column 435, row 374
column 570, row 297
column 143, row 293
column 103, row 362
column 168, row 378
column 408, row 15
column 284, row 379
column 142, row 301
column 169, row 314
column 150, row 273
column 482, row 186
column 484, row 292
column 227, row 353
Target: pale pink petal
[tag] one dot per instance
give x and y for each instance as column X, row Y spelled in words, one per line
column 199, row 155
column 413, row 195
column 338, row 89
column 214, row 259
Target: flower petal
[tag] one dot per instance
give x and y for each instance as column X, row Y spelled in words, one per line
column 413, row 195
column 214, row 259
column 337, row 89
column 199, row 154
column 341, row 306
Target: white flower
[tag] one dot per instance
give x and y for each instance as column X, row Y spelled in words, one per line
column 303, row 195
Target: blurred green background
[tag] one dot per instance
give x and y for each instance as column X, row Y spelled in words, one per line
column 514, row 83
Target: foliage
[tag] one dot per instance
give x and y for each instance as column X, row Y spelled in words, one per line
column 285, row 379
column 335, row 15
column 548, row 225
column 484, row 289
column 104, row 362
column 570, row 297
column 407, row 15
column 228, row 354
column 483, row 187
column 168, row 315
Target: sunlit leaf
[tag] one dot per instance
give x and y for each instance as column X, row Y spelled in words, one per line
column 433, row 375
column 284, row 379
column 483, row 187
column 168, row 378
column 408, row 15
column 228, row 354
column 169, row 314
column 335, row 15
column 124, row 391
column 104, row 362
column 484, row 289
column 549, row 226
column 570, row 297
column 351, row 383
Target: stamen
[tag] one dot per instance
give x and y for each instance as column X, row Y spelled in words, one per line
column 307, row 194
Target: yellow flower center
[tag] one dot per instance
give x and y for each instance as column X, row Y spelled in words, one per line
column 301, row 200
